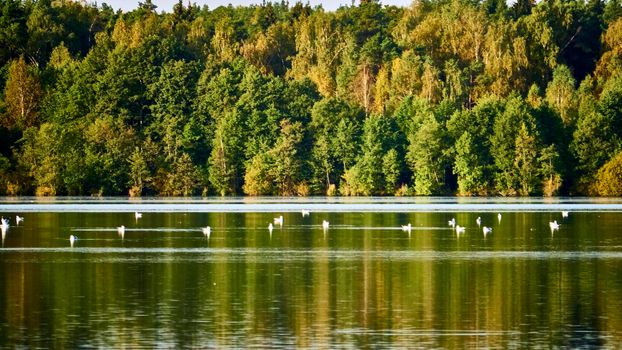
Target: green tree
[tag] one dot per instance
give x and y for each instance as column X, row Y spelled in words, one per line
column 108, row 147
column 285, row 153
column 226, row 158
column 593, row 142
column 525, row 161
column 173, row 95
column 323, row 163
column 44, row 31
column 268, row 99
column 12, row 29
column 549, row 165
column 366, row 177
column 140, row 176
column 427, row 158
column 218, row 90
column 468, row 167
column 4, row 174
column 522, row 8
column 72, row 97
column 610, row 103
column 503, row 144
column 473, row 162
column 53, row 158
column 391, row 169
column 336, row 128
column 561, row 94
column 183, row 179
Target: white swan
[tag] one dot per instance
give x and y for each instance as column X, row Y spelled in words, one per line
column 138, row 215
column 305, row 212
column 565, row 214
column 72, row 239
column 4, row 224
column 121, row 231
column 554, row 225
column 406, row 228
column 460, row 229
column 18, row 219
column 487, row 230
column 478, row 221
column 207, row 231
column 499, row 217
column 325, row 224
column 270, row 228
column 279, row 220
column 452, row 222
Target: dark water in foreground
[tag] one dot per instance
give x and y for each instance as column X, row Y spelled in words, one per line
column 362, row 283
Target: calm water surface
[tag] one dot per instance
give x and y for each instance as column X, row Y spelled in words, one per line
column 363, row 283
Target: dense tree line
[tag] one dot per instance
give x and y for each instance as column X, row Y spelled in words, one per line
column 443, row 97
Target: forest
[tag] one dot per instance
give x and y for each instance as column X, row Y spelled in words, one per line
column 444, row 97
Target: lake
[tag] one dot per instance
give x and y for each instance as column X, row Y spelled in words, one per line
column 362, row 283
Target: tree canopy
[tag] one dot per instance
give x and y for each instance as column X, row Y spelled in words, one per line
column 440, row 97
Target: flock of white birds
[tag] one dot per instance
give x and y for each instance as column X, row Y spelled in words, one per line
column 553, row 225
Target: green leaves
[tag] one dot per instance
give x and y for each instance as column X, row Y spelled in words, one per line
column 442, row 97
column 277, row 171
column 374, row 165
column 525, row 161
column 425, row 156
column 469, row 167
column 561, row 95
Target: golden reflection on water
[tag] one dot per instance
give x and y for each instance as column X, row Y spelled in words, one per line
column 301, row 287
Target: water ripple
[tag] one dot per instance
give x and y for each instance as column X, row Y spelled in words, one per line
column 271, row 255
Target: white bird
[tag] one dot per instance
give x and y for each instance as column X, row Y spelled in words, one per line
column 554, row 225
column 452, row 222
column 305, row 212
column 564, row 214
column 72, row 239
column 479, row 221
column 325, row 224
column 18, row 219
column 4, row 224
column 499, row 217
column 138, row 215
column 407, row 228
column 270, row 228
column 279, row 220
column 121, row 231
column 459, row 229
column 207, row 231
column 487, row 230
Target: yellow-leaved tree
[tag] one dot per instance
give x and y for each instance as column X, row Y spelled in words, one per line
column 22, row 94
column 609, row 178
